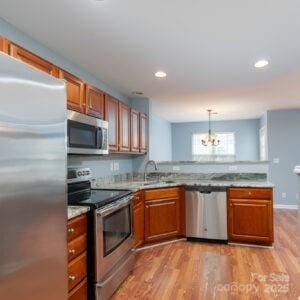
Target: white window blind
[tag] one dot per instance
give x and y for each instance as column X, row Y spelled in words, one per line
column 225, row 151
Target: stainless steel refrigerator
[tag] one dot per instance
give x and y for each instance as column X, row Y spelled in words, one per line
column 33, row 204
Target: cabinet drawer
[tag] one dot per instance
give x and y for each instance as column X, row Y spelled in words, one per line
column 76, row 227
column 137, row 198
column 162, row 193
column 76, row 247
column 79, row 292
column 77, row 270
column 250, row 193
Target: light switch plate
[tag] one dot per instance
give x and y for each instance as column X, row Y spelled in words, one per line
column 112, row 166
column 116, row 166
column 276, row 160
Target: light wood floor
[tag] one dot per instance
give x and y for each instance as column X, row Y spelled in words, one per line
column 186, row 270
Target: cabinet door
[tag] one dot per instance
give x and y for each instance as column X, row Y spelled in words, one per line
column 138, row 220
column 33, row 60
column 162, row 219
column 124, row 125
column 75, row 91
column 4, row 45
column 134, row 131
column 111, row 115
column 143, row 133
column 94, row 102
column 250, row 220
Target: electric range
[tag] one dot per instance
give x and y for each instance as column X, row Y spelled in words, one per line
column 110, row 237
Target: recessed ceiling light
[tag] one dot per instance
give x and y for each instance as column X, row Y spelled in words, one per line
column 160, row 74
column 261, row 63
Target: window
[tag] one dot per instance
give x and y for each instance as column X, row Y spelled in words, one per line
column 263, row 143
column 225, row 151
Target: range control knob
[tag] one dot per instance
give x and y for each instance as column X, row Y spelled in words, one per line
column 79, row 173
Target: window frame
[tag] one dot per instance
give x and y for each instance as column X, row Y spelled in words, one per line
column 231, row 157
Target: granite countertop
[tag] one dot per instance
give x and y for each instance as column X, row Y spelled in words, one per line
column 141, row 185
column 75, row 211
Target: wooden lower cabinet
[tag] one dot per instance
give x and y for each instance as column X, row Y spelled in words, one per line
column 138, row 219
column 77, row 258
column 250, row 215
column 163, row 214
column 158, row 215
column 79, row 292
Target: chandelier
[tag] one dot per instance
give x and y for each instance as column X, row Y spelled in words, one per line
column 211, row 138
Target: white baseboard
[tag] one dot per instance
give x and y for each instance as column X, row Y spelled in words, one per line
column 286, row 206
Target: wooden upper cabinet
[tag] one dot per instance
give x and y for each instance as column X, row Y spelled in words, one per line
column 134, row 131
column 4, row 45
column 94, row 102
column 250, row 215
column 32, row 59
column 143, row 133
column 75, row 91
column 124, row 128
column 111, row 115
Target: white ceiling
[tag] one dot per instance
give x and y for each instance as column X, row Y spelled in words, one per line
column 207, row 48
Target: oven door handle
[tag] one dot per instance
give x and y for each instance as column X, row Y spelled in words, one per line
column 107, row 211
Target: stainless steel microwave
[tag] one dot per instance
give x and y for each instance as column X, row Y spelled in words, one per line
column 86, row 135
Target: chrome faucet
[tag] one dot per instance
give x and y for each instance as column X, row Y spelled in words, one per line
column 149, row 162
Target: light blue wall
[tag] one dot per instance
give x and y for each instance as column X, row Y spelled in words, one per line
column 246, row 137
column 284, row 143
column 160, row 139
column 99, row 165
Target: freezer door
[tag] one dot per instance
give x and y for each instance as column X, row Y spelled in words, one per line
column 215, row 216
column 195, row 214
column 33, row 204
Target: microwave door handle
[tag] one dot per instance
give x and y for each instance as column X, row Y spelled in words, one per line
column 99, row 137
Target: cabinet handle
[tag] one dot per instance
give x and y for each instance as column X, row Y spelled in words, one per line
column 72, row 251
column 72, row 277
column 71, row 230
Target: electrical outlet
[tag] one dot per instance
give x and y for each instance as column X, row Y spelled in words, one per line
column 176, row 168
column 276, row 160
column 116, row 166
column 232, row 168
column 112, row 166
column 283, row 195
column 297, row 196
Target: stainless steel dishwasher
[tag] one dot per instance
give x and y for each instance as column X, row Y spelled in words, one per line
column 206, row 213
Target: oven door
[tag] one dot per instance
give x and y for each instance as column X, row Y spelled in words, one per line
column 86, row 135
column 113, row 236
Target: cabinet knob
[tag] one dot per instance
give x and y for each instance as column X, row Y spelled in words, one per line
column 249, row 193
column 72, row 251
column 71, row 230
column 72, row 277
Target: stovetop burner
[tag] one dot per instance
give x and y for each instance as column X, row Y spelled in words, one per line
column 80, row 192
column 96, row 198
